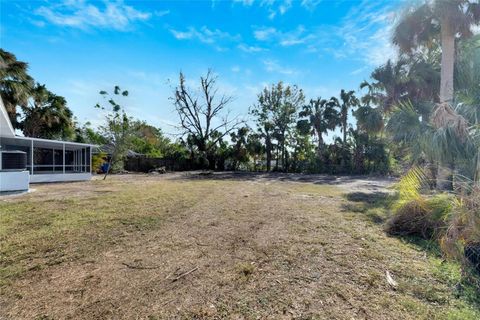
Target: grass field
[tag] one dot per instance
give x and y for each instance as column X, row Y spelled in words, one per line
column 240, row 247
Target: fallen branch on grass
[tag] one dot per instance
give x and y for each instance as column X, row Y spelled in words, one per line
column 390, row 280
column 184, row 274
column 131, row 266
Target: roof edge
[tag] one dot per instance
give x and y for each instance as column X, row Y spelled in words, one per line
column 5, row 119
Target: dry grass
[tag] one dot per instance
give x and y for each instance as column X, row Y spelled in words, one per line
column 421, row 217
column 259, row 249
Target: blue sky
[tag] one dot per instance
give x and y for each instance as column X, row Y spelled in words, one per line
column 78, row 48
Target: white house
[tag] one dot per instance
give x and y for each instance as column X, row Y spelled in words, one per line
column 26, row 160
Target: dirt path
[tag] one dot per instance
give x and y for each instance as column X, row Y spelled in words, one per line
column 262, row 247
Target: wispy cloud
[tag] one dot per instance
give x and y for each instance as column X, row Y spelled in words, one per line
column 363, row 34
column 310, row 4
column 366, row 32
column 274, row 66
column 245, row 2
column 284, row 39
column 204, row 35
column 82, row 14
column 263, row 34
column 358, row 71
column 250, row 49
column 276, row 7
column 273, row 8
column 162, row 13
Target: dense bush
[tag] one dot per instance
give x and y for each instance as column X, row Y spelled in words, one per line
column 424, row 217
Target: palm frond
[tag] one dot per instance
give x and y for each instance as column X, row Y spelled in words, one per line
column 410, row 185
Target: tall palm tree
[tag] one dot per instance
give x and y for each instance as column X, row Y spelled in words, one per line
column 47, row 116
column 347, row 101
column 321, row 116
column 444, row 20
column 15, row 84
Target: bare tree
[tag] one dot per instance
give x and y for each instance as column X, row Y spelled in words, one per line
column 203, row 115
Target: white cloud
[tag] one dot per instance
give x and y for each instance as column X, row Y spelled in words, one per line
column 263, row 34
column 81, row 14
column 235, row 69
column 273, row 7
column 358, row 71
column 250, row 49
column 276, row 7
column 285, row 6
column 182, row 35
column 275, row 67
column 310, row 4
column 285, row 39
column 162, row 13
column 366, row 32
column 245, row 2
column 205, row 35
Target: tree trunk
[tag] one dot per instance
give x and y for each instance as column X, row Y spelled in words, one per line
column 110, row 161
column 433, row 168
column 445, row 173
column 445, row 176
column 447, row 64
column 268, row 145
column 320, row 146
column 284, row 158
column 343, row 162
column 276, row 157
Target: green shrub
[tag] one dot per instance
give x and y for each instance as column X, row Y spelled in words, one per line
column 97, row 161
column 424, row 217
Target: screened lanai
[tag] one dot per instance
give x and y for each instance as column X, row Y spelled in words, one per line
column 50, row 160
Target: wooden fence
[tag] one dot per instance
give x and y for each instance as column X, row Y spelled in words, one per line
column 143, row 164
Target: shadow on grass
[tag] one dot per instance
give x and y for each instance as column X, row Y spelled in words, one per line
column 375, row 182
column 372, row 205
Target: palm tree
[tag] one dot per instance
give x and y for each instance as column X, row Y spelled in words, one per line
column 47, row 116
column 369, row 119
column 239, row 150
column 347, row 101
column 448, row 19
column 416, row 79
column 321, row 116
column 15, row 84
column 389, row 86
column 443, row 21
